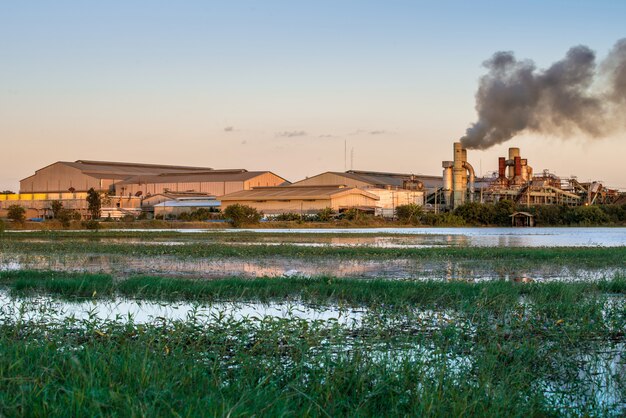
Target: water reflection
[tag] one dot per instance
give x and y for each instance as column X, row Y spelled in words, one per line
column 377, row 237
column 46, row 309
column 410, row 269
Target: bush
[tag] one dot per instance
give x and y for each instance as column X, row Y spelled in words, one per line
column 586, row 215
column 287, row 217
column 127, row 218
column 2, row 226
column 17, row 214
column 353, row 214
column 442, row 219
column 475, row 213
column 65, row 216
column 502, row 212
column 239, row 215
column 617, row 213
column 325, row 215
column 91, row 225
column 200, row 214
column 409, row 214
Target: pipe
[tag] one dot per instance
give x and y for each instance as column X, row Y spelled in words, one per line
column 513, row 152
column 472, row 178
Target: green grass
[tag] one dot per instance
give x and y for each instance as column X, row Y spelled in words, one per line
column 592, row 256
column 491, row 357
column 317, row 290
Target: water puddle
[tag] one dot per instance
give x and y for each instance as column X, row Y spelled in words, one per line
column 46, row 309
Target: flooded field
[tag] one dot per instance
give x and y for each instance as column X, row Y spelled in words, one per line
column 561, row 352
column 399, row 268
column 273, row 253
column 504, row 322
column 376, row 237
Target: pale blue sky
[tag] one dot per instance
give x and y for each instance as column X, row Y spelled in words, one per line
column 159, row 81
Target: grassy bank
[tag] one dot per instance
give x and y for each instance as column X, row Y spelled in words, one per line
column 487, row 349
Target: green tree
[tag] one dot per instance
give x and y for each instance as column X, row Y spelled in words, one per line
column 502, row 212
column 476, row 213
column 94, row 201
column 239, row 215
column 56, row 207
column 410, row 214
column 17, row 214
column 66, row 216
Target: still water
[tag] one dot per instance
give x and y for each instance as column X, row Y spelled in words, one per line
column 388, row 237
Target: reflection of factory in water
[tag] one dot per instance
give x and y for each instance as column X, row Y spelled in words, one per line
column 515, row 180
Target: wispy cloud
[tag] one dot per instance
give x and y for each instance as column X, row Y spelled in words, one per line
column 229, row 129
column 326, row 136
column 373, row 132
column 291, row 134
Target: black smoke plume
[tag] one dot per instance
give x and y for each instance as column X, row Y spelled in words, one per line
column 574, row 95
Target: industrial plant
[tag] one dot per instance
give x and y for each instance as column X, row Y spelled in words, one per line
column 515, row 180
column 151, row 189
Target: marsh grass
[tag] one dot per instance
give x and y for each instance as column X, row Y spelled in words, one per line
column 501, row 349
column 588, row 256
column 388, row 293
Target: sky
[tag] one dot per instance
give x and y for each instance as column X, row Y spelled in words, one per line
column 284, row 86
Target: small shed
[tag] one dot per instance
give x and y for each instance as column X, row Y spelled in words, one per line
column 522, row 219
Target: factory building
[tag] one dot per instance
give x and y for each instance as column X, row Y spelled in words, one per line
column 392, row 189
column 82, row 175
column 213, row 182
column 302, row 199
column 126, row 187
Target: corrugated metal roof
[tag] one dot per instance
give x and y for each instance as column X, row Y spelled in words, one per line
column 295, row 192
column 205, row 176
column 189, row 204
column 101, row 169
column 381, row 179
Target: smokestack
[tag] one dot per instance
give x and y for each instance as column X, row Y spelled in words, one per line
column 573, row 95
column 513, row 152
column 518, row 167
column 501, row 167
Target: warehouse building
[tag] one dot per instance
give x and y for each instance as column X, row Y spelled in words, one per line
column 213, row 182
column 302, row 199
column 127, row 187
column 82, row 175
column 392, row 189
column 373, row 179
